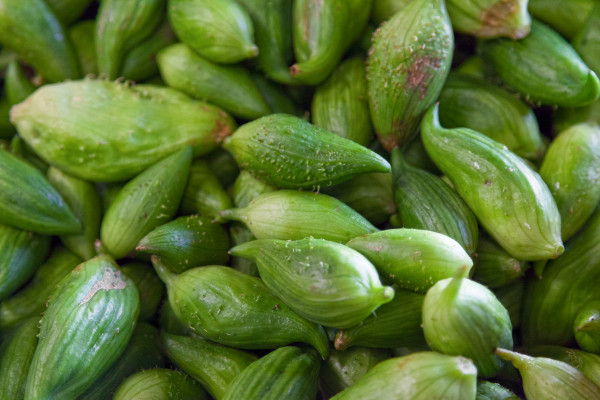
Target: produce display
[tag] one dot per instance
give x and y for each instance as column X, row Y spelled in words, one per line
column 299, row 199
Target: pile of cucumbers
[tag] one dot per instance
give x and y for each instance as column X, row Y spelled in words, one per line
column 300, row 199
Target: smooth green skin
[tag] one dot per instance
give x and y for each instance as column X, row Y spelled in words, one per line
column 564, row 118
column 30, row 29
column 82, row 35
column 168, row 322
column 473, row 103
column 425, row 201
column 566, row 17
column 587, row 363
column 275, row 96
column 68, row 11
column 371, row 195
column 385, row 9
column 343, row 368
column 22, row 253
column 586, row 327
column 108, row 192
column 223, row 165
column 413, row 259
column 89, row 320
column 395, row 324
column 295, row 215
column 7, row 130
column 16, row 354
column 61, row 123
column 187, row 242
column 510, row 200
column 204, row 194
column 218, row 30
column 227, row 86
column 241, row 234
column 493, row 391
column 511, row 297
column 322, row 32
column 419, row 376
column 28, row 201
column 495, row 267
column 17, row 86
column 119, row 27
column 570, row 282
column 31, row 300
column 414, row 153
column 324, row 282
column 160, row 384
column 82, row 198
column 140, row 62
column 149, row 286
column 146, row 202
column 211, row 364
column 21, row 149
column 571, row 169
column 406, row 75
column 490, row 18
column 287, row 372
column 462, row 317
column 340, row 104
column 543, row 67
column 587, row 41
column 320, row 158
column 142, row 352
column 547, row 379
column 473, row 67
column 250, row 317
column 272, row 20
column 246, row 188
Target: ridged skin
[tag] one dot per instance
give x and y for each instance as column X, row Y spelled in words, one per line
column 587, row 363
column 495, row 267
column 82, row 36
column 490, row 18
column 160, row 384
column 566, row 17
column 587, row 327
column 511, row 297
column 16, row 353
column 587, row 42
column 211, row 364
column 493, row 391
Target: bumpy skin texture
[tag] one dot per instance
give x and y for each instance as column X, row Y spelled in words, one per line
column 320, row 158
column 90, row 318
column 28, row 201
column 490, row 18
column 287, row 372
column 406, row 69
column 16, row 353
column 325, row 282
column 419, row 376
column 226, row 86
column 571, row 169
column 510, row 200
column 247, row 311
column 211, row 364
column 30, row 28
column 219, row 30
column 72, row 126
column 543, row 67
column 160, row 384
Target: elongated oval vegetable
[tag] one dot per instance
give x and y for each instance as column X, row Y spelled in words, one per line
column 543, row 67
column 462, row 317
column 490, row 18
column 246, row 188
column 587, row 363
column 241, row 234
column 275, row 95
column 495, row 267
column 30, row 28
column 160, row 384
column 544, row 378
column 60, row 122
column 407, row 67
column 31, row 300
column 473, row 103
column 411, row 377
column 511, row 297
column 187, row 242
column 287, row 372
column 89, row 320
column 16, row 353
column 320, row 158
column 68, row 11
column 426, row 202
column 28, row 201
column 204, row 194
column 16, row 84
column 213, row 365
column 249, row 316
column 82, row 35
column 571, row 169
column 411, row 258
column 325, row 282
column 149, row 286
column 294, row 215
column 586, row 327
column 511, row 201
column 395, row 324
column 586, row 42
column 566, row 17
column 144, row 203
column 83, row 200
column 493, row 391
column 385, row 9
column 219, row 30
